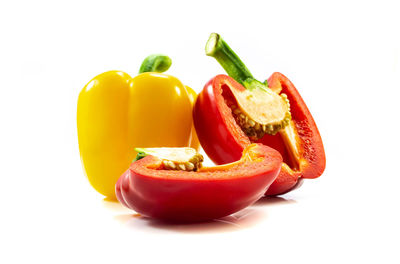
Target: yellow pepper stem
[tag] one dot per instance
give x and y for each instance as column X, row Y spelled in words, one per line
column 155, row 63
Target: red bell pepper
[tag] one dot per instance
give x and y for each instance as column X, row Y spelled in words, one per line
column 155, row 190
column 223, row 138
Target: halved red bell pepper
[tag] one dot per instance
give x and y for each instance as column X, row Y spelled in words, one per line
column 154, row 190
column 223, row 139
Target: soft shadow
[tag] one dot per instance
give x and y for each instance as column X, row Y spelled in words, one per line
column 243, row 219
column 125, row 218
column 272, row 201
column 110, row 199
column 113, row 204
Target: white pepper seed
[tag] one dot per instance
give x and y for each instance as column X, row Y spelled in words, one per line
column 171, row 164
column 165, row 163
column 189, row 166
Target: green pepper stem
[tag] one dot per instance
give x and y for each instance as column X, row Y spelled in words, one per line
column 155, row 63
column 139, row 156
column 141, row 153
column 217, row 48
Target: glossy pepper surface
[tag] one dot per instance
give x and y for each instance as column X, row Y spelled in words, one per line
column 117, row 113
column 194, row 140
column 223, row 138
column 153, row 190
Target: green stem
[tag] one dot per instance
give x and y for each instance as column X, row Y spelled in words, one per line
column 155, row 63
column 141, row 153
column 216, row 47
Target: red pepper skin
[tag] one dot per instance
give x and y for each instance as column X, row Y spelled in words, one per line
column 210, row 193
column 223, row 140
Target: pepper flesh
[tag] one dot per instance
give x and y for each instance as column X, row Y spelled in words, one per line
column 116, row 113
column 299, row 141
column 209, row 193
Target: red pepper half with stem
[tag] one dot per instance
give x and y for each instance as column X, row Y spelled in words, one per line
column 170, row 183
column 232, row 112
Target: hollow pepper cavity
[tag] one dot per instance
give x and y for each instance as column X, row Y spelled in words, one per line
column 171, row 184
column 117, row 113
column 232, row 112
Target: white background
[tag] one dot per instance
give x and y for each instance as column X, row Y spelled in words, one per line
column 344, row 58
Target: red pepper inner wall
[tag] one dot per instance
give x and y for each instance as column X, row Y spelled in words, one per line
column 276, row 142
column 227, row 94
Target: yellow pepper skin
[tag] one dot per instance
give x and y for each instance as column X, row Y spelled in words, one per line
column 194, row 140
column 117, row 113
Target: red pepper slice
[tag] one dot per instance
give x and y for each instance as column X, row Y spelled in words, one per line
column 223, row 140
column 209, row 193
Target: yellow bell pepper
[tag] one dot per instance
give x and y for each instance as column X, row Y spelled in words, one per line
column 194, row 140
column 117, row 113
